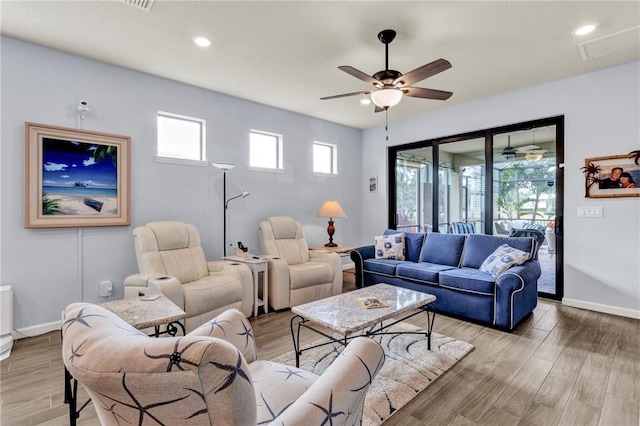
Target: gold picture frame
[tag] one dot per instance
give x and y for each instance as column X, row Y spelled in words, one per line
column 75, row 178
column 598, row 179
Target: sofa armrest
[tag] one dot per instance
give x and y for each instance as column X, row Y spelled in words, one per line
column 516, row 293
column 151, row 283
column 233, row 327
column 341, row 388
column 358, row 256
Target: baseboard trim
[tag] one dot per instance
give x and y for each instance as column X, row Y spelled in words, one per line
column 36, row 330
column 613, row 310
column 348, row 266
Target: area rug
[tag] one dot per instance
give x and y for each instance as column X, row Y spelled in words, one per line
column 408, row 368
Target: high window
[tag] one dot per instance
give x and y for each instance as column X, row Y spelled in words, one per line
column 181, row 139
column 265, row 151
column 325, row 158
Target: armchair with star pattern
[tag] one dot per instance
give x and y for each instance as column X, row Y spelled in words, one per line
column 211, row 376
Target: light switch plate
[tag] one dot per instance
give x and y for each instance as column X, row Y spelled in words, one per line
column 590, row 211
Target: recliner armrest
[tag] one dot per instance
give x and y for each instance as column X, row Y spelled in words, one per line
column 150, row 283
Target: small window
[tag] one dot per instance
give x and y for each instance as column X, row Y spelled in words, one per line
column 265, row 151
column 180, row 138
column 325, row 158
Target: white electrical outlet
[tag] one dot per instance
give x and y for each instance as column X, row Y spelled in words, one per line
column 106, row 288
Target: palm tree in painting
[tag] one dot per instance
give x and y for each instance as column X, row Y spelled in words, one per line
column 103, row 151
column 635, row 156
column 591, row 172
column 50, row 206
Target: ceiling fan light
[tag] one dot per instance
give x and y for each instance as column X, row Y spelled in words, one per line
column 533, row 157
column 386, row 98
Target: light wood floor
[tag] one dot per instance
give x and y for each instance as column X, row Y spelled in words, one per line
column 561, row 366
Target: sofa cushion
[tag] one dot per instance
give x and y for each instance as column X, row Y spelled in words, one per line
column 469, row 280
column 412, row 244
column 443, row 249
column 478, row 247
column 503, row 258
column 381, row 266
column 390, row 246
column 422, row 271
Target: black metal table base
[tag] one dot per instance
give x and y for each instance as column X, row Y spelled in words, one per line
column 375, row 330
column 71, row 384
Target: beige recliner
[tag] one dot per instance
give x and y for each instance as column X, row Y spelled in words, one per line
column 172, row 262
column 296, row 274
column 209, row 377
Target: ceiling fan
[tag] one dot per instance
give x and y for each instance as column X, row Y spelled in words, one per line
column 391, row 85
column 531, row 152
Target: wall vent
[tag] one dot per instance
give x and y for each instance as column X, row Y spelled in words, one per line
column 612, row 43
column 141, row 4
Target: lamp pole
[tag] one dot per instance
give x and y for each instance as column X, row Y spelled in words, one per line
column 224, row 167
column 224, row 221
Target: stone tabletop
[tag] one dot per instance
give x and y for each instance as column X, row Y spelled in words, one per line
column 146, row 313
column 344, row 313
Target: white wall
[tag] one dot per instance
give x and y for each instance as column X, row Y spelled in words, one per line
column 49, row 268
column 602, row 117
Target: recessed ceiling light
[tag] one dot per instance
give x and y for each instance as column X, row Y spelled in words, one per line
column 585, row 29
column 365, row 101
column 202, row 41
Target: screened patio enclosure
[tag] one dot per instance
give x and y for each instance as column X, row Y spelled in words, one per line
column 488, row 182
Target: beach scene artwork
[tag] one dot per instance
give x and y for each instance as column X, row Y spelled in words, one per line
column 79, row 178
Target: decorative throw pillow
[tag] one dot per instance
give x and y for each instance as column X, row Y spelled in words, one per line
column 390, row 246
column 503, row 258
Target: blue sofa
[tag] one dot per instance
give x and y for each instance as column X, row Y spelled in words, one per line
column 448, row 266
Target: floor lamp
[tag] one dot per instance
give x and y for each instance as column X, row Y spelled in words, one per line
column 224, row 167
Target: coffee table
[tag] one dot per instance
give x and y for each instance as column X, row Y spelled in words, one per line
column 345, row 315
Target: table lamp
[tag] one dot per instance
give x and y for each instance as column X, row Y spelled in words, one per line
column 331, row 209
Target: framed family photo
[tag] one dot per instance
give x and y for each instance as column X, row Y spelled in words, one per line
column 75, row 178
column 612, row 177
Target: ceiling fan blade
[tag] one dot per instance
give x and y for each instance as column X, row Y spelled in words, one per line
column 359, row 74
column 419, row 92
column 527, row 148
column 344, row 95
column 422, row 72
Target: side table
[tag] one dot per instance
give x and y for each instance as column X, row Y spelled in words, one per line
column 337, row 249
column 257, row 265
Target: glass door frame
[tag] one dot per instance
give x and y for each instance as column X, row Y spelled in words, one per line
column 487, row 134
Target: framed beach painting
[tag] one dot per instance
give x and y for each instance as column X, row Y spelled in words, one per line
column 612, row 177
column 75, row 178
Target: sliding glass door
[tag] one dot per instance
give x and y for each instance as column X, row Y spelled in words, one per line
column 494, row 181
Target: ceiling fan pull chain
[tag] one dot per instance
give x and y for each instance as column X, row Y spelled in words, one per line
column 386, row 123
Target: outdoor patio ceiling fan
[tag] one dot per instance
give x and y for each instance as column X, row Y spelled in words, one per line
column 391, row 85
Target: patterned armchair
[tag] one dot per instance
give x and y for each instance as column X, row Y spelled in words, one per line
column 172, row 262
column 209, row 377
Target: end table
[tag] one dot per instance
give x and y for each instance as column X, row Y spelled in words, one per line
column 256, row 264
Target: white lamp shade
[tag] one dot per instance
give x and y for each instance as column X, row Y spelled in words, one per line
column 224, row 166
column 386, row 98
column 331, row 209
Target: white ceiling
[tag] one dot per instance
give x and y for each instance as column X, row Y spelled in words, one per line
column 286, row 54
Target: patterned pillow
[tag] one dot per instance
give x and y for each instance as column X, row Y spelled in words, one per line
column 503, row 258
column 390, row 246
